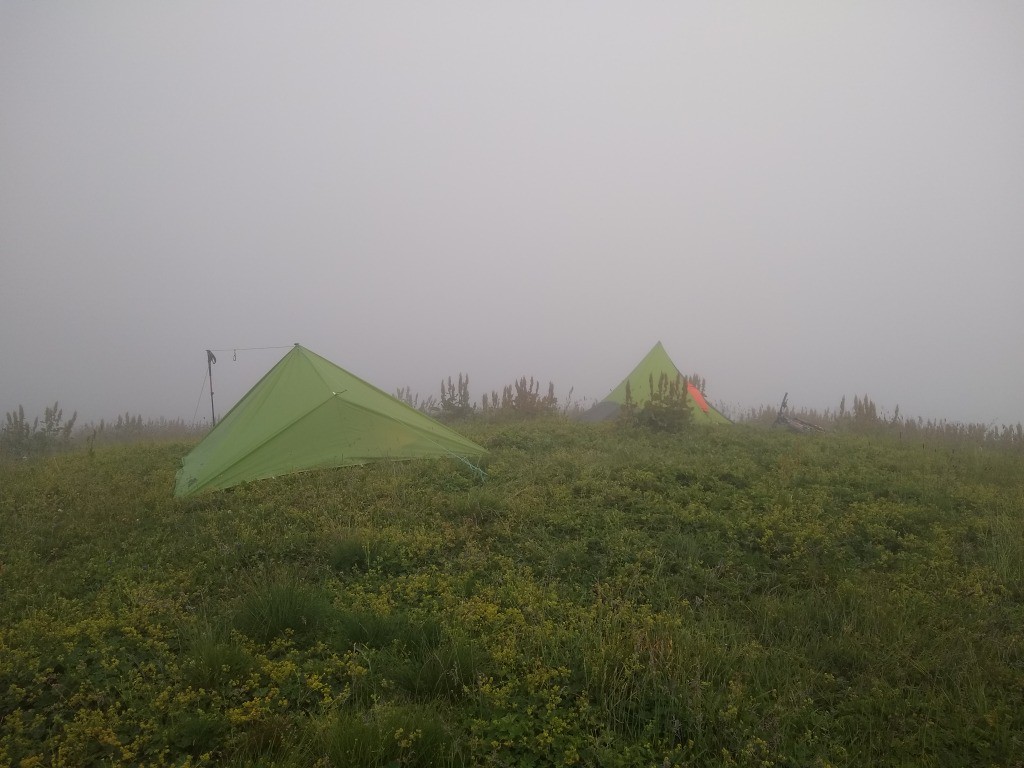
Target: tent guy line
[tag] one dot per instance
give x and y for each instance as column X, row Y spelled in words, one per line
column 251, row 349
column 211, row 360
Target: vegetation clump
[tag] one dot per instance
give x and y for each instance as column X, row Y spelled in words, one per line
column 22, row 439
column 19, row 437
column 666, row 409
column 455, row 400
column 866, row 418
column 522, row 399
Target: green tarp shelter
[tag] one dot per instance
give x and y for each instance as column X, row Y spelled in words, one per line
column 651, row 367
column 307, row 413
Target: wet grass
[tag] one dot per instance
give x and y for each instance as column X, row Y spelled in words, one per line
column 606, row 597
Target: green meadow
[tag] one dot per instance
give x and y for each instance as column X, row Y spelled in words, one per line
column 608, row 596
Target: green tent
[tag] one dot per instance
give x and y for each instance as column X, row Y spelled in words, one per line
column 307, row 413
column 651, row 367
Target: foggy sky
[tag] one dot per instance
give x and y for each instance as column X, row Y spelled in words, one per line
column 819, row 198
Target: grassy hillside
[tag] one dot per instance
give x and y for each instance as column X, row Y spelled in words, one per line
column 607, row 597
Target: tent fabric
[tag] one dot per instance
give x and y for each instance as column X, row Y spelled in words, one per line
column 308, row 413
column 654, row 364
column 698, row 398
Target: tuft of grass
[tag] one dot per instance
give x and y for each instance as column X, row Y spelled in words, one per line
column 280, row 605
column 346, row 553
column 355, row 549
column 444, row 669
column 406, row 735
column 1003, row 551
column 197, row 732
column 213, row 657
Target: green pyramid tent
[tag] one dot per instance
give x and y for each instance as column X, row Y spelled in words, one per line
column 653, row 365
column 307, row 413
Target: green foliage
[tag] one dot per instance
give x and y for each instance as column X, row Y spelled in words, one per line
column 666, row 410
column 359, row 549
column 280, row 605
column 21, row 439
column 521, row 400
column 455, row 400
column 427, row 405
column 614, row 597
column 389, row 737
column 214, row 656
column 864, row 417
column 867, row 418
column 129, row 429
column 16, row 435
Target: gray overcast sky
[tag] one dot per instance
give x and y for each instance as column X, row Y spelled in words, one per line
column 819, row 197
